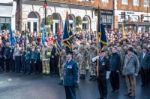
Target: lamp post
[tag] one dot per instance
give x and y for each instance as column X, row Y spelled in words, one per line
column 45, row 10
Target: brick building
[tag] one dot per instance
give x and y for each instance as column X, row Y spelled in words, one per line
column 30, row 14
column 133, row 13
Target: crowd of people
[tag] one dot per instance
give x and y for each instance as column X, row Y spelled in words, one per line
column 128, row 56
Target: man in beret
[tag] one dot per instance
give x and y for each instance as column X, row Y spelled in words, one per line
column 70, row 76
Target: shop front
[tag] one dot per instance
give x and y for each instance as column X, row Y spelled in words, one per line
column 107, row 18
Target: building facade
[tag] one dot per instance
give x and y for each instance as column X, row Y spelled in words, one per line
column 7, row 15
column 135, row 13
column 33, row 14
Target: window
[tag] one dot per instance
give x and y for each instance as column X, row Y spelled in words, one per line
column 29, row 26
column 35, row 26
column 124, row 1
column 106, row 1
column 5, row 20
column 135, row 2
column 146, row 2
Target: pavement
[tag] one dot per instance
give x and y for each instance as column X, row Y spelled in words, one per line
column 19, row 86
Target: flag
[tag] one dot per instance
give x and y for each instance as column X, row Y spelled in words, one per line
column 43, row 36
column 101, row 34
column 58, row 30
column 67, row 35
column 123, row 32
column 103, row 39
column 12, row 39
column 58, row 36
column 58, row 41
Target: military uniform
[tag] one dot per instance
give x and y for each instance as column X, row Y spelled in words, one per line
column 39, row 63
column 23, row 60
column 79, row 59
column 93, row 53
column 61, row 66
column 33, row 60
column 70, row 78
column 102, row 82
column 45, row 56
column 84, row 63
column 6, row 56
column 28, row 61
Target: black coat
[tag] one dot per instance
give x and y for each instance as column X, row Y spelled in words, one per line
column 114, row 62
column 145, row 62
column 7, row 53
column 103, row 65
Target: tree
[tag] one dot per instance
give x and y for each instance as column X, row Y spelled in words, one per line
column 49, row 23
column 78, row 20
column 49, row 20
column 78, row 23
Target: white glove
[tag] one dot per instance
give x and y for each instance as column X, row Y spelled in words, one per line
column 95, row 58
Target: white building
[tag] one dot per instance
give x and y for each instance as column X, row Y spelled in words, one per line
column 7, row 15
column 33, row 15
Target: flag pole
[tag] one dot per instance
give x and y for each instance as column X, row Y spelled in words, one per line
column 98, row 39
column 25, row 43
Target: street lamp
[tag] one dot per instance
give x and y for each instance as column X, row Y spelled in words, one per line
column 45, row 10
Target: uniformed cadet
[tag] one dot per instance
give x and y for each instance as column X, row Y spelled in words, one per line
column 102, row 69
column 28, row 60
column 6, row 56
column 93, row 53
column 45, row 56
column 33, row 59
column 17, row 58
column 39, row 63
column 78, row 58
column 23, row 60
column 84, row 64
column 70, row 76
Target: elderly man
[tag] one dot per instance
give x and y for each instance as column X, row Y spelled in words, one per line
column 144, row 63
column 130, row 71
column 115, row 65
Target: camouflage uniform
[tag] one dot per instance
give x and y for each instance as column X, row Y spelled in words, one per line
column 61, row 65
column 45, row 56
column 84, row 64
column 78, row 58
column 93, row 53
